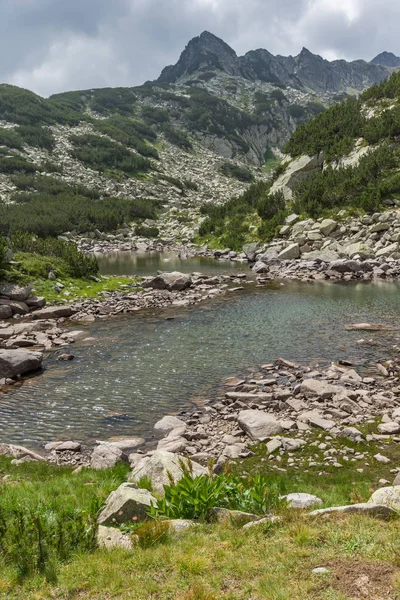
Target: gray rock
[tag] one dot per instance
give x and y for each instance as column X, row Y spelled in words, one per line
column 20, row 452
column 390, row 428
column 14, row 363
column 345, row 266
column 127, row 504
column 17, row 307
column 374, row 510
column 69, row 446
column 250, row 251
column 258, row 425
column 387, row 496
column 300, row 500
column 35, row 302
column 290, row 253
column 232, row 517
column 53, row 312
column 106, row 456
column 320, row 388
column 157, row 467
column 15, row 292
column 314, row 419
column 168, row 423
column 382, row 459
column 173, row 281
column 5, row 312
column 111, row 537
column 327, row 226
column 351, row 433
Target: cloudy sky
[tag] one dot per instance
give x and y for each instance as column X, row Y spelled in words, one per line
column 51, row 46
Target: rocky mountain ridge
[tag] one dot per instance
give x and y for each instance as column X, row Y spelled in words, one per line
column 306, row 71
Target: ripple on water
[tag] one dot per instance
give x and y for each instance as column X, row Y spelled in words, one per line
column 140, row 367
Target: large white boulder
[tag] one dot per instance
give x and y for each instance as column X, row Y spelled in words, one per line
column 387, row 496
column 258, row 425
column 157, row 466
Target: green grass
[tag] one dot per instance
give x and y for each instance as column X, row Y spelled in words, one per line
column 80, row 288
column 212, row 562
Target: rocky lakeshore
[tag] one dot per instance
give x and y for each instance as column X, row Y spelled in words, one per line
column 281, row 404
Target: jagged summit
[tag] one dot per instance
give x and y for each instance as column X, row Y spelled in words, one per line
column 386, row 59
column 203, row 52
column 306, row 71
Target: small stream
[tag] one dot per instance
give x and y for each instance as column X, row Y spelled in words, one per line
column 137, row 368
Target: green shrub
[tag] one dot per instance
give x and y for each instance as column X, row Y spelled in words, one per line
column 10, row 138
column 147, row 232
column 78, row 265
column 130, row 133
column 102, row 154
column 177, row 137
column 36, row 136
column 51, row 215
column 194, row 497
column 16, row 164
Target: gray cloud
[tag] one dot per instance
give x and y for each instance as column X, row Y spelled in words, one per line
column 56, row 45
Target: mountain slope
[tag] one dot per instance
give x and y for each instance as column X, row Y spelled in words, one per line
column 346, row 158
column 386, row 59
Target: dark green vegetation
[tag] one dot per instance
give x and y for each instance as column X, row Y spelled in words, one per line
column 48, row 515
column 256, row 215
column 39, row 256
column 104, row 155
column 48, row 207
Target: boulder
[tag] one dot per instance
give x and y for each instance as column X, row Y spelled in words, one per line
column 111, row 537
column 387, row 250
column 232, row 517
column 127, row 504
column 372, row 510
column 358, row 249
column 312, row 388
column 69, row 446
column 157, row 467
column 345, row 266
column 300, row 500
column 351, row 433
column 327, row 226
column 389, row 428
column 173, row 281
column 315, row 419
column 250, row 251
column 106, row 456
column 15, row 292
column 17, row 307
column 295, row 171
column 387, row 496
column 258, row 425
column 5, row 312
column 14, row 363
column 260, row 267
column 168, row 423
column 53, row 312
column 290, row 253
column 20, row 452
column 35, row 302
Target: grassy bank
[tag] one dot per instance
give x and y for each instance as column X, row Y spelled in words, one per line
column 268, row 562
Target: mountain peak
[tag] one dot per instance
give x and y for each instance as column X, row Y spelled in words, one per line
column 206, row 51
column 386, row 59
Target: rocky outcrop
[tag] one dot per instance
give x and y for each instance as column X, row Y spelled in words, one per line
column 14, row 363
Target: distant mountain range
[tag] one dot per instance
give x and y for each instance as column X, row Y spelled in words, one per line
column 306, row 71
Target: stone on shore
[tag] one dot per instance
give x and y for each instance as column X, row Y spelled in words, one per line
column 106, row 456
column 174, row 282
column 157, row 466
column 258, row 425
column 15, row 292
column 53, row 312
column 290, row 253
column 320, row 388
column 168, row 423
column 14, row 363
column 127, row 504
